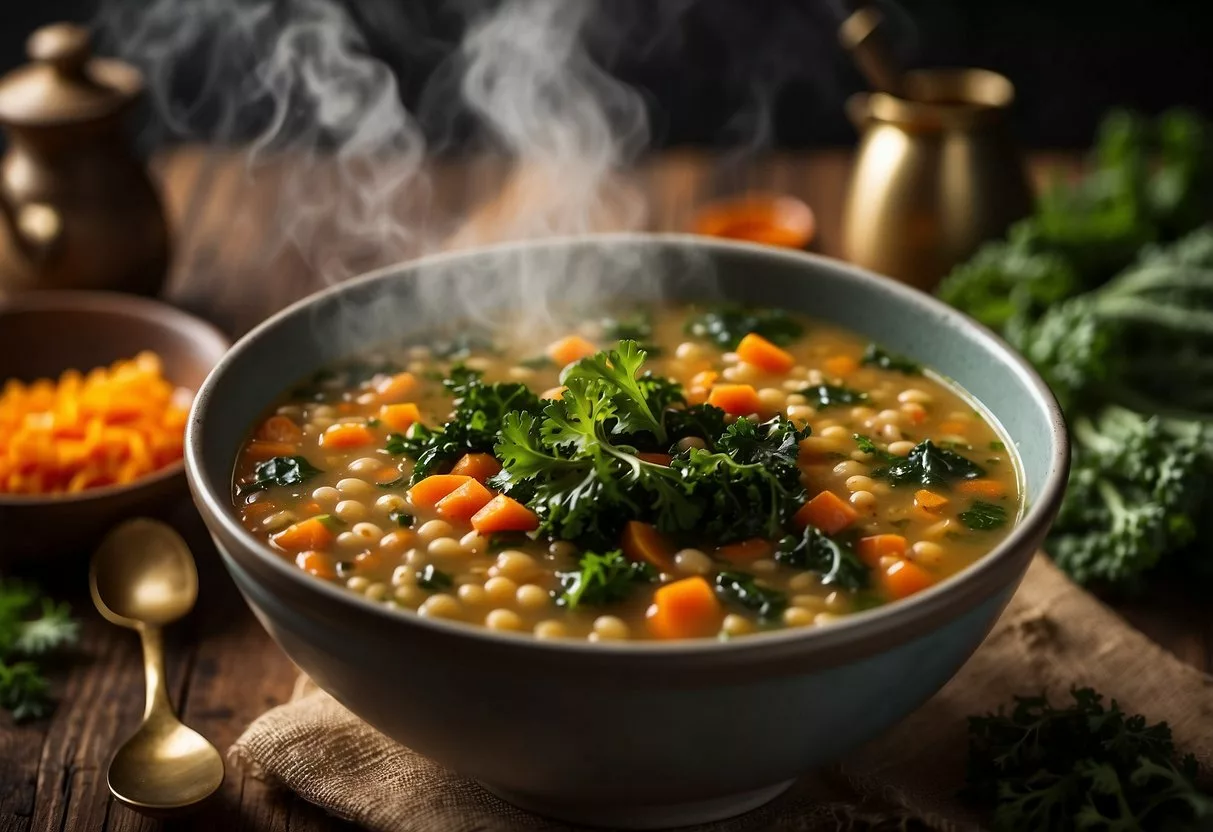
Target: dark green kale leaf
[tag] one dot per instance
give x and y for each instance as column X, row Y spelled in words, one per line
column 928, row 464
column 474, row 427
column 984, row 516
column 869, row 446
column 1085, row 766
column 282, row 471
column 433, row 578
column 601, row 579
column 743, row 589
column 727, row 324
column 834, row 560
column 701, row 421
column 822, row 396
column 876, row 356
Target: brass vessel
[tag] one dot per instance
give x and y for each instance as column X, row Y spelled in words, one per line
column 77, row 208
column 937, row 173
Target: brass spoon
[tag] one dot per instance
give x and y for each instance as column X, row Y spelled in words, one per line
column 143, row 577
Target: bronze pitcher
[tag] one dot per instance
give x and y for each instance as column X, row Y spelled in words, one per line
column 78, row 210
column 937, row 174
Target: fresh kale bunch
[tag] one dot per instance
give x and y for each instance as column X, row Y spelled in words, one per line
column 578, row 463
column 1117, row 352
column 31, row 626
column 479, row 411
column 1081, row 767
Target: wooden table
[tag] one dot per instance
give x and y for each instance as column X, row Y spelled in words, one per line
column 223, row 668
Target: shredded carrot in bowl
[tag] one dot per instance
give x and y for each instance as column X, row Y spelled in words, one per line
column 109, row 426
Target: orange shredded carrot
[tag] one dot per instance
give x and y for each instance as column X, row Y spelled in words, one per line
column 109, row 426
column 982, row 488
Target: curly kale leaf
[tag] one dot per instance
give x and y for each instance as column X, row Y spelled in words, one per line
column 727, row 324
column 479, row 410
column 1084, row 766
column 745, row 590
column 279, row 471
column 834, row 560
column 601, row 579
column 928, row 464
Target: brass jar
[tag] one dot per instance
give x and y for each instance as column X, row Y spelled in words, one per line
column 77, row 208
column 937, row 174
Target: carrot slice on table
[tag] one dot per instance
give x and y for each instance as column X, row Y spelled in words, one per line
column 746, row 551
column 570, row 349
column 685, row 609
column 262, row 449
column 430, row 490
column 400, row 417
column 504, row 514
column 477, row 466
column 280, row 429
column 840, row 365
column 981, row 488
column 397, row 387
column 929, row 500
column 464, row 501
column 737, row 399
column 346, row 435
column 903, row 579
column 644, row 544
column 828, row 512
column 656, row 459
column 756, row 350
column 312, row 533
column 871, row 549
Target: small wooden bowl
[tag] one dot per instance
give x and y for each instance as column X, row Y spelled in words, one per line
column 44, row 333
column 770, row 219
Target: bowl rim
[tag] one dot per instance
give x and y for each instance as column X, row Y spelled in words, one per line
column 184, row 325
column 973, row 584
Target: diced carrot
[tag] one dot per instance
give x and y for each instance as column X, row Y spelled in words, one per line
column 904, row 578
column 477, row 466
column 685, row 609
column 346, row 435
column 399, row 417
column 872, row 549
column 504, row 514
column 570, row 349
column 737, row 399
column 396, row 388
column 555, row 393
column 656, row 459
column 953, row 427
column 280, row 429
column 746, row 551
column 840, row 365
column 982, row 488
column 644, row 544
column 312, row 533
column 316, row 563
column 463, row 502
column 430, row 490
column 828, row 512
column 756, row 350
column 929, row 500
column 260, row 449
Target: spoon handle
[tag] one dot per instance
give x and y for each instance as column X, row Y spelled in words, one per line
column 153, row 668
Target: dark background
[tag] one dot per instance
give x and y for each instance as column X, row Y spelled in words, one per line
column 711, row 75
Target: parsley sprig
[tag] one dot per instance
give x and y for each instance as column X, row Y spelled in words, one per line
column 31, row 626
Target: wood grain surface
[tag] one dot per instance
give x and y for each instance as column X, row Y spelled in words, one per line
column 223, row 668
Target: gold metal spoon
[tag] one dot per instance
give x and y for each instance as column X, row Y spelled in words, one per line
column 143, row 577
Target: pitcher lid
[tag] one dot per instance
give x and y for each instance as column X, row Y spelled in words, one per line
column 63, row 83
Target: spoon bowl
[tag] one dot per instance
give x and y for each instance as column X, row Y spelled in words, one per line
column 143, row 577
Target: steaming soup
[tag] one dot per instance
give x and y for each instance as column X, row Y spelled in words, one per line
column 693, row 474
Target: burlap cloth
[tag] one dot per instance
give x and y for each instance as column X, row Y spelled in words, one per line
column 1051, row 637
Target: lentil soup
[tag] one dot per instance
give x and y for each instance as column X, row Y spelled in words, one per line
column 692, row 473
